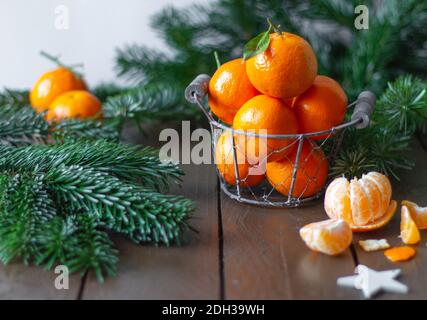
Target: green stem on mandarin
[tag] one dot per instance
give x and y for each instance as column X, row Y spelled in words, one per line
column 218, row 63
column 276, row 28
column 59, row 63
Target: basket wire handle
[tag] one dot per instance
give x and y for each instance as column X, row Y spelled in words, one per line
column 361, row 117
column 197, row 90
column 363, row 110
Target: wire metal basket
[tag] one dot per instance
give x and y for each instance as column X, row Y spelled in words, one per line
column 266, row 194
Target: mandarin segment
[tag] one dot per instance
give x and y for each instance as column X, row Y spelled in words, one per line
column 379, row 223
column 265, row 115
column 373, row 195
column 409, row 232
column 337, row 200
column 229, row 89
column 383, row 184
column 331, row 236
column 362, row 213
column 400, row 253
column 286, row 69
column 418, row 214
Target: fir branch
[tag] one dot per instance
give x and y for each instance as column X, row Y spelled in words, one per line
column 340, row 12
column 76, row 242
column 73, row 129
column 105, row 90
column 142, row 214
column 372, row 149
column 25, row 208
column 130, row 163
column 145, row 103
column 14, row 98
column 31, row 230
column 21, row 125
column 403, row 106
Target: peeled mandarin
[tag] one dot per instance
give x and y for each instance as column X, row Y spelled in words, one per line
column 399, row 253
column 408, row 229
column 331, row 237
column 364, row 203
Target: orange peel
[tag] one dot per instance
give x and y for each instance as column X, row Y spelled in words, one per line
column 400, row 253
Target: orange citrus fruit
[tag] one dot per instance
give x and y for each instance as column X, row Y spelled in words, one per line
column 419, row 214
column 311, row 175
column 51, row 85
column 78, row 104
column 364, row 203
column 265, row 115
column 229, row 89
column 400, row 253
column 409, row 232
column 321, row 107
column 225, row 163
column 286, row 69
column 331, row 237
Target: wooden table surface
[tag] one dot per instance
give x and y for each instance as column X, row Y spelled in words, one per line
column 239, row 252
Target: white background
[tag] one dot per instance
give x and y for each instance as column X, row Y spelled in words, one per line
column 96, row 28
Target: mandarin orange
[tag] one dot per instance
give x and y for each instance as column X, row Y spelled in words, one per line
column 78, row 104
column 224, row 160
column 286, row 69
column 311, row 175
column 229, row 89
column 321, row 107
column 265, row 115
column 51, row 85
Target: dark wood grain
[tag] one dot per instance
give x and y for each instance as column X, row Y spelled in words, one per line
column 18, row 281
column 413, row 187
column 187, row 272
column 265, row 258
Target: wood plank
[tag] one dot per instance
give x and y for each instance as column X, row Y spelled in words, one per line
column 188, row 272
column 413, row 187
column 265, row 258
column 20, row 282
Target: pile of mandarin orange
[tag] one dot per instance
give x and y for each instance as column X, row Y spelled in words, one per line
column 277, row 91
column 63, row 94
